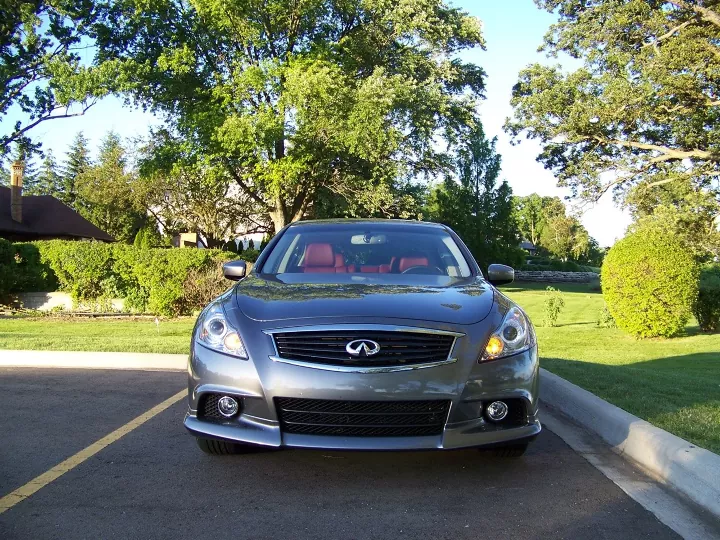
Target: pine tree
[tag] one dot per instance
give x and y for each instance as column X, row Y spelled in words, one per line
column 49, row 181
column 76, row 162
column 30, row 172
column 104, row 195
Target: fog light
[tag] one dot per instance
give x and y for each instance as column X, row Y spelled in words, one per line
column 228, row 406
column 497, row 410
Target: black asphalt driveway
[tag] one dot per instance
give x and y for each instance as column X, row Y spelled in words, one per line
column 154, row 482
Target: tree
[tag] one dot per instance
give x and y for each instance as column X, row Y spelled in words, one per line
column 104, row 191
column 77, row 161
column 291, row 98
column 42, row 75
column 49, row 181
column 182, row 194
column 643, row 108
column 476, row 207
column 529, row 217
column 678, row 209
column 544, row 221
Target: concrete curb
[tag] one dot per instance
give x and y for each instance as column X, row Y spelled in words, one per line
column 690, row 470
column 94, row 360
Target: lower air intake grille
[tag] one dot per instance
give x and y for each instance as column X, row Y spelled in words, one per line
column 362, row 418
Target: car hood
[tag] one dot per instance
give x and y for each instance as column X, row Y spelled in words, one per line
column 428, row 298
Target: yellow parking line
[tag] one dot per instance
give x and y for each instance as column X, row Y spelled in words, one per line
column 39, row 482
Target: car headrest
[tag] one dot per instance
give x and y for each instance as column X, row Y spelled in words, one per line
column 339, row 260
column 409, row 262
column 319, row 255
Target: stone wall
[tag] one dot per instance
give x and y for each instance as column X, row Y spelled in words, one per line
column 551, row 276
column 46, row 301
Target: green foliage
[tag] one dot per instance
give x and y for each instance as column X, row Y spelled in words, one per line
column 7, row 267
column 104, row 192
column 251, row 245
column 49, row 181
column 148, row 237
column 707, row 305
column 544, row 222
column 554, row 303
column 77, row 161
column 231, row 246
column 149, row 279
column 478, row 209
column 250, row 255
column 642, row 105
column 650, row 282
column 291, row 99
column 681, row 209
column 42, row 72
column 605, row 318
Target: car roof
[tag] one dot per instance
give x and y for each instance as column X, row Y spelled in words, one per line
column 377, row 221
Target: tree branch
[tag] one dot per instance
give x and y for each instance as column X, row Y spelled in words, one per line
column 668, row 153
column 705, row 13
column 252, row 194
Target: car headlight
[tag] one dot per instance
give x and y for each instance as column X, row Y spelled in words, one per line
column 216, row 333
column 514, row 335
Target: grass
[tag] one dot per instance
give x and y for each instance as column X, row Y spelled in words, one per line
column 80, row 334
column 672, row 383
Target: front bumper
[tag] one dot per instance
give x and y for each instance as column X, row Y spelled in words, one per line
column 465, row 383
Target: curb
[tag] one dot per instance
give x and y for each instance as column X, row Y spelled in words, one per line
column 94, row 360
column 692, row 471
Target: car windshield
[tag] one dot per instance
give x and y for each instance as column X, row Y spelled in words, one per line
column 367, row 248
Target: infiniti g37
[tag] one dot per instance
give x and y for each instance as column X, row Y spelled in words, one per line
column 364, row 335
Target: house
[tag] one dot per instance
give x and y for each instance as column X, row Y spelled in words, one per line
column 41, row 217
column 528, row 246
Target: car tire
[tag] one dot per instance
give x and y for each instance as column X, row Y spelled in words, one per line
column 511, row 450
column 217, row 448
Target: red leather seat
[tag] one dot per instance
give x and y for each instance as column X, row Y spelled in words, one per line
column 409, row 262
column 319, row 259
column 369, row 269
column 340, row 266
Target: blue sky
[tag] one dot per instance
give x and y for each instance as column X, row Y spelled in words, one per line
column 513, row 31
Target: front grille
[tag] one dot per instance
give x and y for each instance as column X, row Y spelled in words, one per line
column 362, row 418
column 396, row 348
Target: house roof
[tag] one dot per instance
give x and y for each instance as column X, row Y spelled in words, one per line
column 527, row 245
column 45, row 216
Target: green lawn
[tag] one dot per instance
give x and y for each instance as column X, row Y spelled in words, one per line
column 82, row 334
column 675, row 383
column 672, row 383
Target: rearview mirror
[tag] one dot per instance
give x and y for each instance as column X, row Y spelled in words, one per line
column 500, row 274
column 234, row 270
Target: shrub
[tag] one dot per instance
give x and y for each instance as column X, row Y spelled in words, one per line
column 707, row 305
column 7, row 267
column 605, row 318
column 649, row 283
column 554, row 302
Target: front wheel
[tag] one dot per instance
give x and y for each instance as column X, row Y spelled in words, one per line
column 217, row 448
column 510, row 450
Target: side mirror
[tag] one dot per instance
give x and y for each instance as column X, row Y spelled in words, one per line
column 500, row 274
column 234, row 270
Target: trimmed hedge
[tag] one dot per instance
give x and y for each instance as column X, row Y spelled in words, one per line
column 650, row 283
column 707, row 305
column 151, row 280
column 545, row 264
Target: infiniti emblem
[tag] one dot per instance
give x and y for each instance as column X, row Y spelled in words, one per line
column 362, row 347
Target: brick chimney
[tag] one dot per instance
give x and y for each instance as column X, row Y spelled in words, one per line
column 16, row 176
